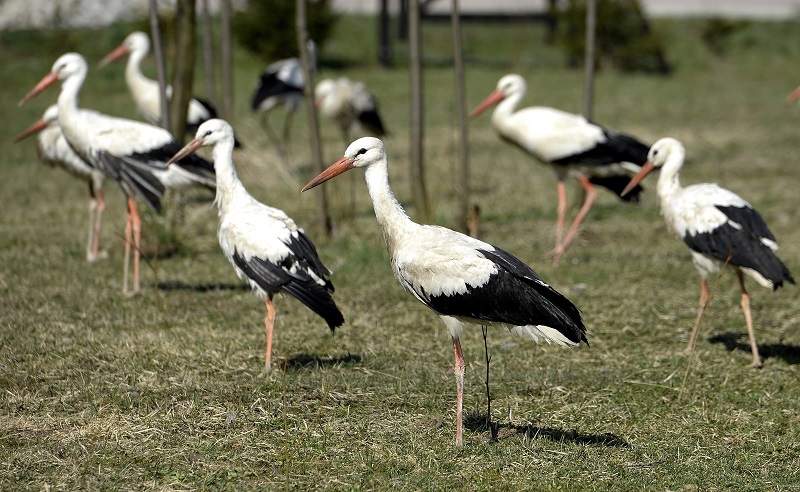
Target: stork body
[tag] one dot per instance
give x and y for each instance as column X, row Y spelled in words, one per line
column 570, row 144
column 134, row 154
column 282, row 84
column 264, row 245
column 719, row 228
column 350, row 105
column 461, row 279
column 146, row 92
column 54, row 150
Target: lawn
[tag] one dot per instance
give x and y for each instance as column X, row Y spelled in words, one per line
column 167, row 390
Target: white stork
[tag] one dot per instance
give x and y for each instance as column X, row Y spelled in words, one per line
column 350, row 104
column 719, row 228
column 54, row 150
column 264, row 245
column 282, row 83
column 146, row 92
column 570, row 144
column 132, row 153
column 458, row 277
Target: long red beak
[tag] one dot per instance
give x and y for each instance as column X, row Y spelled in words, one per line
column 644, row 171
column 34, row 128
column 186, row 151
column 115, row 55
column 794, row 96
column 492, row 99
column 342, row 165
column 48, row 80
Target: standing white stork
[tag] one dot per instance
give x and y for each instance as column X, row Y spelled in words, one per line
column 264, row 245
column 458, row 277
column 350, row 104
column 719, row 228
column 132, row 153
column 570, row 144
column 282, row 83
column 54, row 150
column 146, row 92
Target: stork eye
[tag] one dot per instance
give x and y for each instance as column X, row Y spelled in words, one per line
column 361, row 152
column 209, row 132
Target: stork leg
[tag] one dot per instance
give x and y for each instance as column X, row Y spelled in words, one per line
column 562, row 210
column 91, row 255
column 701, row 311
column 749, row 320
column 132, row 228
column 287, row 125
column 460, row 368
column 96, row 224
column 269, row 322
column 591, row 194
column 126, row 262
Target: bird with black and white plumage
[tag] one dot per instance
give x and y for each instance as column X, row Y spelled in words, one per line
column 132, row 153
column 146, row 92
column 282, row 83
column 719, row 227
column 460, row 278
column 570, row 144
column 54, row 150
column 350, row 104
column 264, row 245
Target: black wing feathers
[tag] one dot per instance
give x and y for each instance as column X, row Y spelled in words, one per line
column 135, row 177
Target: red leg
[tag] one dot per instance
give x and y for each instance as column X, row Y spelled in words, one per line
column 269, row 322
column 562, row 210
column 591, row 194
column 701, row 310
column 135, row 226
column 127, row 260
column 460, row 368
column 98, row 221
column 749, row 321
column 90, row 253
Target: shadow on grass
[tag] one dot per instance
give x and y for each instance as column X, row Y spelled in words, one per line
column 178, row 285
column 302, row 361
column 738, row 341
column 477, row 423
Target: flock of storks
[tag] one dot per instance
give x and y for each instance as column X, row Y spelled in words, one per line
column 460, row 278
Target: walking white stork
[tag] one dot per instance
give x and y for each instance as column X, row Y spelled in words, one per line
column 282, row 83
column 146, row 92
column 458, row 277
column 570, row 144
column 719, row 228
column 132, row 153
column 54, row 150
column 264, row 245
column 350, row 105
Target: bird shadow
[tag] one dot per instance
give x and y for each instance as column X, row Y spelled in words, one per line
column 738, row 341
column 303, row 361
column 478, row 423
column 177, row 285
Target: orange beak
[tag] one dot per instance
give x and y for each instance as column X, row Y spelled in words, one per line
column 48, row 80
column 646, row 169
column 34, row 128
column 492, row 99
column 342, row 165
column 115, row 55
column 794, row 96
column 186, row 151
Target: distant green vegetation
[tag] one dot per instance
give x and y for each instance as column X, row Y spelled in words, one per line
column 168, row 391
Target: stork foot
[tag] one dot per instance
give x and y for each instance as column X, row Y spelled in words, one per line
column 756, row 364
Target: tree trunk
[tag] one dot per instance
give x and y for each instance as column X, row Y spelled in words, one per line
column 208, row 55
column 227, row 60
column 183, row 70
column 417, row 173
column 462, row 176
column 161, row 71
column 313, row 124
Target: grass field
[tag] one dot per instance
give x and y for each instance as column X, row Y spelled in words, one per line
column 168, row 391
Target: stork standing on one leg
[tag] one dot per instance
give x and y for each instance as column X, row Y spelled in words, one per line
column 719, row 227
column 264, row 245
column 570, row 144
column 458, row 277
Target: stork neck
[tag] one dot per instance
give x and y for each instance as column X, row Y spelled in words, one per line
column 669, row 180
column 69, row 116
column 506, row 108
column 228, row 184
column 134, row 78
column 390, row 214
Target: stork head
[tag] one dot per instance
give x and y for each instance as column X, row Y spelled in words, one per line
column 662, row 151
column 67, row 65
column 136, row 42
column 362, row 153
column 211, row 132
column 324, row 89
column 508, row 85
column 50, row 117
